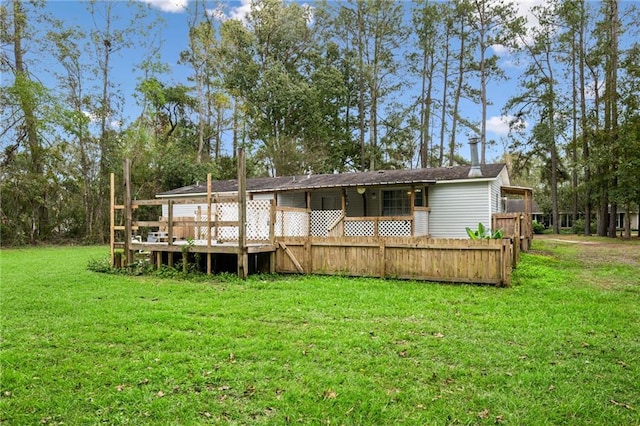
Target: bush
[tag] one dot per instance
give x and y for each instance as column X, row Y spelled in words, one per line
column 578, row 227
column 538, row 228
column 100, row 265
column 483, row 233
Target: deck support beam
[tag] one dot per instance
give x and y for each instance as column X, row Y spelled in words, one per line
column 128, row 213
column 243, row 258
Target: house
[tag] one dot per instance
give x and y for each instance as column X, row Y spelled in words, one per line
column 389, row 223
column 566, row 218
column 435, row 202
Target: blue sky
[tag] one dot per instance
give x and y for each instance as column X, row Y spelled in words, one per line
column 174, row 35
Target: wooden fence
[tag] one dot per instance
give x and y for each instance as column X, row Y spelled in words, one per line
column 517, row 227
column 451, row 260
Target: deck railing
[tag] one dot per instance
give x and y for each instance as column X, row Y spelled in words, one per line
column 455, row 260
column 334, row 223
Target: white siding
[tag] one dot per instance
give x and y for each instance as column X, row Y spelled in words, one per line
column 497, row 206
column 263, row 196
column 496, row 199
column 454, row 206
column 184, row 210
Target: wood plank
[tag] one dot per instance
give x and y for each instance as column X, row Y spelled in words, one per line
column 292, row 257
column 137, row 203
column 127, row 211
column 243, row 261
column 112, row 221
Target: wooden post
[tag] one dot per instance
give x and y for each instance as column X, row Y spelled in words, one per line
column 272, row 235
column 208, row 223
column 112, row 222
column 272, row 224
column 128, row 214
column 170, row 222
column 243, row 261
column 382, row 257
column 308, row 258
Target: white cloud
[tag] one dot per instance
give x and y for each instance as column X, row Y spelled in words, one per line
column 500, row 50
column 171, row 6
column 91, row 116
column 222, row 12
column 499, row 125
column 115, row 124
column 240, row 13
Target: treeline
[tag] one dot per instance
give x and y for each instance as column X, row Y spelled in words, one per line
column 321, row 88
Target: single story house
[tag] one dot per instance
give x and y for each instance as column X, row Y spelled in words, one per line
column 436, row 202
column 566, row 218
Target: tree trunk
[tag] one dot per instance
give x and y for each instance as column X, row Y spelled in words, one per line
column 458, row 94
column 445, row 78
column 361, row 89
column 39, row 212
column 583, row 125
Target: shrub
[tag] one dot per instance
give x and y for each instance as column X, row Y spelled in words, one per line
column 579, row 224
column 483, row 233
column 538, row 228
column 100, row 265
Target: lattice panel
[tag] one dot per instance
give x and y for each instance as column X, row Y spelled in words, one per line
column 394, row 228
column 201, row 231
column 321, row 220
column 258, row 220
column 227, row 233
column 292, row 224
column 225, row 211
column 360, row 228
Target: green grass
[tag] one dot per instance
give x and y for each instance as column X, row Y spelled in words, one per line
column 79, row 347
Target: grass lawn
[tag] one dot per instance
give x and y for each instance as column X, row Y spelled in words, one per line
column 561, row 346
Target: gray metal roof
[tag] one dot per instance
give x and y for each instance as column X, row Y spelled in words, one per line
column 341, row 180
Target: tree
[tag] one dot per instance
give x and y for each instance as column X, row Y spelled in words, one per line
column 291, row 89
column 75, row 121
column 25, row 102
column 111, row 35
column 494, row 22
column 540, row 98
column 375, row 31
column 462, row 11
column 426, row 21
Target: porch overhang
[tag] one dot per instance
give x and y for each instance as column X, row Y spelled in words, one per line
column 524, row 192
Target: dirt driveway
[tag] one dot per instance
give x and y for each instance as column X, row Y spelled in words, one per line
column 598, row 250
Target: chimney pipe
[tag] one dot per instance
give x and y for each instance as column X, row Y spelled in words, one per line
column 475, row 170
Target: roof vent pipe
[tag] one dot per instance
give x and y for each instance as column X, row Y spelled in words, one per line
column 475, row 170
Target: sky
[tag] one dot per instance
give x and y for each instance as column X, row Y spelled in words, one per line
column 174, row 35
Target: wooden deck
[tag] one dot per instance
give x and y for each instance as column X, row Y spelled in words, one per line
column 180, row 246
column 220, row 237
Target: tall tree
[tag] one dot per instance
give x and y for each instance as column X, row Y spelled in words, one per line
column 611, row 104
column 463, row 60
column 449, row 22
column 494, row 23
column 111, row 35
column 540, row 98
column 427, row 24
column 375, row 30
column 23, row 104
column 74, row 118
